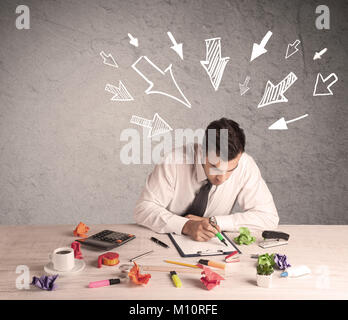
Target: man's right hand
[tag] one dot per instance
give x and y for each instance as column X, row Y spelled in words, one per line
column 199, row 228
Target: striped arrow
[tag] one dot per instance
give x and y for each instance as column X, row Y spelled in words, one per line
column 214, row 65
column 157, row 124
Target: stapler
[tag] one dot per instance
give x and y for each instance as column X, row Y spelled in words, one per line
column 273, row 239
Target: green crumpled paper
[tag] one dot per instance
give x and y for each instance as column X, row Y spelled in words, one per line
column 244, row 237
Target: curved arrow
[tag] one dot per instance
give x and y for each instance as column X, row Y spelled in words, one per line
column 166, row 72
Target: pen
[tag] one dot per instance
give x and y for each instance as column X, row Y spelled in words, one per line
column 159, row 242
column 141, row 255
column 176, row 279
column 103, row 283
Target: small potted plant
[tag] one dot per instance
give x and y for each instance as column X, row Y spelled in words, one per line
column 265, row 263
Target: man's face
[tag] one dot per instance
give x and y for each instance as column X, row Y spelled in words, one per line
column 217, row 170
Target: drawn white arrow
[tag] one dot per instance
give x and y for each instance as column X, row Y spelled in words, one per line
column 292, row 48
column 157, row 124
column 318, row 55
column 108, row 59
column 166, row 72
column 275, row 93
column 177, row 47
column 120, row 93
column 259, row 49
column 324, row 91
column 281, row 124
column 213, row 64
column 244, row 87
column 133, row 41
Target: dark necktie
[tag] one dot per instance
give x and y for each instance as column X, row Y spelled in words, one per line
column 200, row 202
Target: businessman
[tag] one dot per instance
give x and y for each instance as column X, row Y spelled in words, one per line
column 190, row 198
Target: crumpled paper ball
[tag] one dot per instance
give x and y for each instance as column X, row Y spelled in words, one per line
column 45, row 282
column 281, row 261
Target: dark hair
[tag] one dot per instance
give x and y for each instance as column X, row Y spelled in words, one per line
column 236, row 138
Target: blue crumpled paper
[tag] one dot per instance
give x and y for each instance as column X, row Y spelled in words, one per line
column 45, row 282
column 281, row 261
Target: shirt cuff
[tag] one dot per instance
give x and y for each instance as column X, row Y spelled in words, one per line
column 225, row 223
column 176, row 223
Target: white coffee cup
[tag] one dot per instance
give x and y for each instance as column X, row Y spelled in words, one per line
column 63, row 259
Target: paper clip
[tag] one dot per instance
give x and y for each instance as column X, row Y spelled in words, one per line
column 209, row 252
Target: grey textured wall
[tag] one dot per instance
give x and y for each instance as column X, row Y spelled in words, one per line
column 60, row 133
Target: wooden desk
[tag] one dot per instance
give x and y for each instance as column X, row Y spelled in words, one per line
column 323, row 248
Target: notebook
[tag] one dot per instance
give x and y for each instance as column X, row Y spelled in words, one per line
column 191, row 248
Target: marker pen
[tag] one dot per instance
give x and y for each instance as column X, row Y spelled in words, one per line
column 218, row 234
column 221, row 238
column 176, row 279
column 103, row 283
column 214, row 264
column 159, row 242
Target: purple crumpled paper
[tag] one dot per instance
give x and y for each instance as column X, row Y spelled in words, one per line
column 281, row 261
column 45, row 282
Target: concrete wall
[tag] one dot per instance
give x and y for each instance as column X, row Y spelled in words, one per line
column 60, row 133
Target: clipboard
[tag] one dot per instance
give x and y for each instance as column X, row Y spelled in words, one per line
column 190, row 248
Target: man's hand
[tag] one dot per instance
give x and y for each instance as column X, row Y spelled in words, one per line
column 199, row 228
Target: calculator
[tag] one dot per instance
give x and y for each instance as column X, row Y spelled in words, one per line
column 107, row 239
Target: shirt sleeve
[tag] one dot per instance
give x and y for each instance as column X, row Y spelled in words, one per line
column 256, row 202
column 150, row 210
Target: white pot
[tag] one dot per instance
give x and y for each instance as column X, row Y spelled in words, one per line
column 264, row 281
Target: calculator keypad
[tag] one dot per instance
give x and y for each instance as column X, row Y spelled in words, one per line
column 111, row 236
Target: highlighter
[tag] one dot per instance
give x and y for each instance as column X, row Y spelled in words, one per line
column 211, row 263
column 103, row 283
column 221, row 238
column 176, row 279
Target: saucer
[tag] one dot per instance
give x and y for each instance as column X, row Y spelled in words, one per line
column 79, row 266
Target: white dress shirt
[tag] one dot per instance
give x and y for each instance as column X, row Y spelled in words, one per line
column 171, row 188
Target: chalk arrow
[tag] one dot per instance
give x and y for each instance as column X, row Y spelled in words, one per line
column 281, row 124
column 120, row 93
column 157, row 124
column 292, row 48
column 177, row 47
column 133, row 41
column 108, row 59
column 259, row 49
column 166, row 73
column 322, row 86
column 318, row 55
column 275, row 93
column 213, row 64
column 244, row 87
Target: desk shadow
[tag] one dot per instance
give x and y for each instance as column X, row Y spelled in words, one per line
column 252, row 282
column 195, row 283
